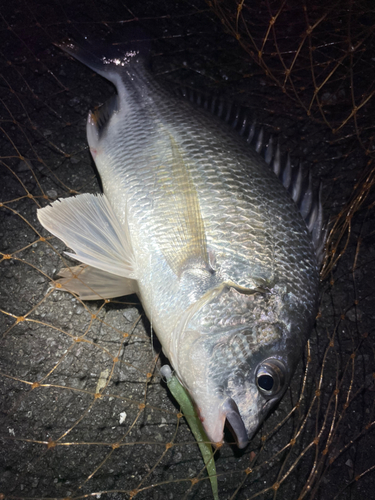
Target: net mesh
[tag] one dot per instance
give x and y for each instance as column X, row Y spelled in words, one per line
column 83, row 409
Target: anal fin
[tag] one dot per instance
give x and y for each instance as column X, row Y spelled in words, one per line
column 90, row 283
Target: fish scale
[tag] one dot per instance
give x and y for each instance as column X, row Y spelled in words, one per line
column 214, row 245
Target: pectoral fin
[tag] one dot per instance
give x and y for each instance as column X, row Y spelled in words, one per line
column 90, row 283
column 184, row 240
column 88, row 225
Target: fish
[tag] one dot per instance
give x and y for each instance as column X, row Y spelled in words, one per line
column 221, row 243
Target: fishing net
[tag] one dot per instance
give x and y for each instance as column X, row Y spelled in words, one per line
column 84, row 412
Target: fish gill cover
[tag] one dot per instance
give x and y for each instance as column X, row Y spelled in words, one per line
column 83, row 410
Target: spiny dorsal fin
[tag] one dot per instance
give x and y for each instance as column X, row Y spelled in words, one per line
column 299, row 184
column 237, row 117
column 295, row 180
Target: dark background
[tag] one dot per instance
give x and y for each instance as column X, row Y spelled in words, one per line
column 307, row 76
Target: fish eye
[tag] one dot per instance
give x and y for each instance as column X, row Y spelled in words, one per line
column 265, row 382
column 270, row 376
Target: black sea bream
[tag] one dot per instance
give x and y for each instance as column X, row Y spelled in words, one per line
column 195, row 222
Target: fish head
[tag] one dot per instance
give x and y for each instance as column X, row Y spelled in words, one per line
column 236, row 358
column 250, row 394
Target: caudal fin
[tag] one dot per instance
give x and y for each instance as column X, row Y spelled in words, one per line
column 108, row 59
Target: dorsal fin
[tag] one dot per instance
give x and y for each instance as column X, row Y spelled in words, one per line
column 294, row 178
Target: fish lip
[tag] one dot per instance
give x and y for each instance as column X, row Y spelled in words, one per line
column 236, row 425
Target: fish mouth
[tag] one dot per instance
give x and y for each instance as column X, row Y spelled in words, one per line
column 235, row 423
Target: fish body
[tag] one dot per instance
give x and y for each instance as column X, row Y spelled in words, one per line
column 194, row 221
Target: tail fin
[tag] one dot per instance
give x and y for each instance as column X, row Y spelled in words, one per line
column 109, row 58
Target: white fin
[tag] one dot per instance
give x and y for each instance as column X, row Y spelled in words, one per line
column 88, row 225
column 184, row 241
column 94, row 284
